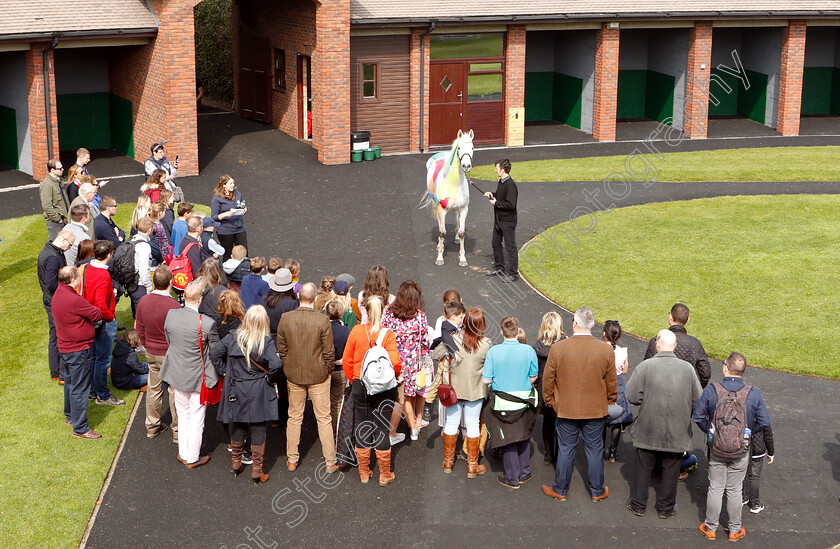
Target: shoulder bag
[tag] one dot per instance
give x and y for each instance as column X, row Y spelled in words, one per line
column 207, row 396
column 446, row 393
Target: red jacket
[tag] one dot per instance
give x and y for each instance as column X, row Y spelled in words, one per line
column 74, row 318
column 99, row 290
column 150, row 320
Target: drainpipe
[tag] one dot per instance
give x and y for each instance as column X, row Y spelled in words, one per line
column 56, row 38
column 423, row 78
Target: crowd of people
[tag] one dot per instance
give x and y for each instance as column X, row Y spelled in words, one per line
column 247, row 336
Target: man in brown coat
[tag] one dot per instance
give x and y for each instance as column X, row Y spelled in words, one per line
column 578, row 383
column 305, row 345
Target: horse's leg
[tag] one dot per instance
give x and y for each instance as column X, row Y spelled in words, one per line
column 462, row 224
column 441, row 217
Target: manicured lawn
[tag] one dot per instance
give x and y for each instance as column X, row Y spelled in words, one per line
column 760, row 275
column 759, row 164
column 51, row 481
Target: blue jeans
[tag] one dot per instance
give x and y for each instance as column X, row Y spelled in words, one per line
column 103, row 345
column 568, row 434
column 472, row 416
column 77, row 370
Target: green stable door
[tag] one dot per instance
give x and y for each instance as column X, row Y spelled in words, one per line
column 8, row 138
column 553, row 96
column 95, row 121
column 821, row 90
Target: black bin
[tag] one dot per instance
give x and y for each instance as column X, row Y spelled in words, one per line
column 359, row 140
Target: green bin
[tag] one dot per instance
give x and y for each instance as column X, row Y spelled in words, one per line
column 377, row 151
column 369, row 154
column 355, row 156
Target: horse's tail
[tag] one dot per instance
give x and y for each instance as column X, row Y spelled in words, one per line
column 427, row 202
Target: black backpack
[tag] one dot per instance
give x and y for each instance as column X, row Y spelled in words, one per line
column 124, row 271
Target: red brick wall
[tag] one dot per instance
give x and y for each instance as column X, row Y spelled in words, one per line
column 159, row 80
column 331, row 82
column 606, row 84
column 790, row 79
column 38, row 110
column 290, row 26
column 514, row 73
column 697, row 94
column 416, row 34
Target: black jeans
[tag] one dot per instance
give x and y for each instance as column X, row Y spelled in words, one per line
column 228, row 241
column 751, row 482
column 56, row 371
column 258, row 430
column 505, row 230
column 372, row 416
column 646, row 460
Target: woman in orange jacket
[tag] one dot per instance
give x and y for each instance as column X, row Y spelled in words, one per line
column 375, row 436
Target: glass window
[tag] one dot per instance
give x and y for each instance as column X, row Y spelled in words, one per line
column 280, row 69
column 459, row 46
column 485, row 66
column 369, row 71
column 485, row 87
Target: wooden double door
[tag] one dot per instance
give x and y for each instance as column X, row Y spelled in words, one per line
column 254, row 75
column 450, row 107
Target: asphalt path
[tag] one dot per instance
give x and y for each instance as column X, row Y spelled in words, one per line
column 346, row 218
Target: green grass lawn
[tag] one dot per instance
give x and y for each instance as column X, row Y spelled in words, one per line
column 51, row 481
column 759, row 274
column 759, row 164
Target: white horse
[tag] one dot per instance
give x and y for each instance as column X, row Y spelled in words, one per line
column 449, row 190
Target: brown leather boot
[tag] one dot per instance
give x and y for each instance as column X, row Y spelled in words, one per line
column 474, row 469
column 236, row 449
column 363, row 457
column 257, row 454
column 449, row 444
column 383, row 458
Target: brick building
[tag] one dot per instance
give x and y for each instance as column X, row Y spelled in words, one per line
column 412, row 72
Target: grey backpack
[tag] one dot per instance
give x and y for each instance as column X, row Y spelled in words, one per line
column 377, row 370
column 729, row 421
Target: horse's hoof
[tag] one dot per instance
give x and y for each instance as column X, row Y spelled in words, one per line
column 438, row 262
column 457, row 240
column 462, row 262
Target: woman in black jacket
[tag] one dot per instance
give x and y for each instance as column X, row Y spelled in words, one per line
column 250, row 365
column 551, row 331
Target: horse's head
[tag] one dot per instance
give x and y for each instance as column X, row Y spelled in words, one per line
column 465, row 150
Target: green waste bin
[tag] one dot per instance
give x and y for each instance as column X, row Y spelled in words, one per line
column 355, row 156
column 369, row 154
column 377, row 151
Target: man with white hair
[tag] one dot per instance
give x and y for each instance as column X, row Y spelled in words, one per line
column 86, row 193
column 79, row 216
column 579, row 382
column 667, row 389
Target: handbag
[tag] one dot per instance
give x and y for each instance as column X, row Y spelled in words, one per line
column 207, row 396
column 446, row 393
column 426, row 371
column 503, row 412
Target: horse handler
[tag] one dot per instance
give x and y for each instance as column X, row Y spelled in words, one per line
column 504, row 223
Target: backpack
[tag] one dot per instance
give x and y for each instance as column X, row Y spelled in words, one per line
column 124, row 271
column 377, row 370
column 181, row 268
column 729, row 421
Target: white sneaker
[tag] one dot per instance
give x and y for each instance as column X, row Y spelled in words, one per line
column 397, row 439
column 415, row 435
column 756, row 510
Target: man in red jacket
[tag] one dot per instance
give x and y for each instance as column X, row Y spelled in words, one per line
column 150, row 320
column 74, row 318
column 98, row 290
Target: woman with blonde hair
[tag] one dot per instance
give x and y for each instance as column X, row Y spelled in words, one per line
column 249, row 363
column 156, row 213
column 325, row 293
column 551, row 331
column 144, row 204
column 361, row 338
column 74, row 181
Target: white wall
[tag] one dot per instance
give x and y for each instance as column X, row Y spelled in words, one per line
column 13, row 94
column 633, row 50
column 81, row 70
column 539, row 51
column 575, row 56
column 820, row 47
column 724, row 40
column 668, row 54
column 762, row 52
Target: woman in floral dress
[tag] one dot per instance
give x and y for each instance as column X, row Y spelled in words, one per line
column 407, row 319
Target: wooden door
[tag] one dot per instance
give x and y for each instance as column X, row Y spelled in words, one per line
column 254, row 75
column 304, row 96
column 447, row 101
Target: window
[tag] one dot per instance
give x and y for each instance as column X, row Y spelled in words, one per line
column 484, row 87
column 280, row 69
column 370, row 81
column 466, row 46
